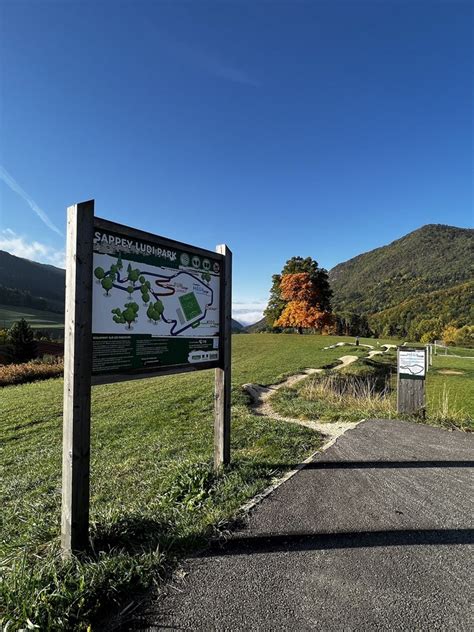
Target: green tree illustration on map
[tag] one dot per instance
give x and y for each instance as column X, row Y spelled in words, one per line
column 133, row 274
column 118, row 317
column 107, row 283
column 128, row 315
column 107, row 279
column 145, row 289
column 154, row 311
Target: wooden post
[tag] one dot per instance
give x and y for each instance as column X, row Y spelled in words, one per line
column 77, row 379
column 223, row 373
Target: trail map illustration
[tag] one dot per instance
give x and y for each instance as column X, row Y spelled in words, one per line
column 412, row 363
column 153, row 306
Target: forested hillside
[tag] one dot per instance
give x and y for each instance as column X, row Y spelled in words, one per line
column 412, row 287
column 26, row 283
column 431, row 258
column 426, row 315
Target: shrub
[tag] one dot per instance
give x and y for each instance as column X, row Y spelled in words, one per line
column 465, row 336
column 30, row 371
column 449, row 335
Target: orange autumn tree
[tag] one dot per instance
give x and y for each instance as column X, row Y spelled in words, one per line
column 302, row 309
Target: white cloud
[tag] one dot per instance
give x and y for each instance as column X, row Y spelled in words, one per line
column 209, row 63
column 34, row 250
column 248, row 312
column 14, row 186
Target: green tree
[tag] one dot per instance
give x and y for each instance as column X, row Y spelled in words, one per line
column 118, row 317
column 154, row 311
column 20, row 338
column 465, row 336
column 129, row 316
column 296, row 265
column 133, row 274
column 99, row 273
column 107, row 284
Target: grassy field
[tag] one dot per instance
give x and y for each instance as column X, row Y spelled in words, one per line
column 38, row 319
column 454, row 351
column 452, row 379
column 154, row 495
column 449, row 393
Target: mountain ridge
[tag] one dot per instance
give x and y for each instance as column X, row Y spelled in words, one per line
column 433, row 260
column 433, row 257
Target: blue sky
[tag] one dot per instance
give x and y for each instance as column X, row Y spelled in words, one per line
column 281, row 128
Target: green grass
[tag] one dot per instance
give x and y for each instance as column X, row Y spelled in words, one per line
column 38, row 319
column 454, row 351
column 450, row 397
column 267, row 358
column 154, row 496
column 153, row 493
column 457, row 388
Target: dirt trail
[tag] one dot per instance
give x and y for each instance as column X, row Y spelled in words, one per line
column 345, row 360
column 374, row 353
column 262, row 406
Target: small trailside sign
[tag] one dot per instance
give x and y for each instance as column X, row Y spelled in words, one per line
column 412, row 363
column 156, row 304
column 411, row 375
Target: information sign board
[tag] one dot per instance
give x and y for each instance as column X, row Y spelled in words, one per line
column 412, row 363
column 137, row 305
column 156, row 304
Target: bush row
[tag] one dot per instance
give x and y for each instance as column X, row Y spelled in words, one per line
column 43, row 369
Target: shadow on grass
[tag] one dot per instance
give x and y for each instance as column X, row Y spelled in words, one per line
column 142, row 535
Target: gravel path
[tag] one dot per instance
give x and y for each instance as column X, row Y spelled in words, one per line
column 262, row 404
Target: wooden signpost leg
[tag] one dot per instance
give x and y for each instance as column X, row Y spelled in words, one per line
column 223, row 373
column 77, row 379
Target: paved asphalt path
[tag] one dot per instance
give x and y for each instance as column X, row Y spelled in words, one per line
column 374, row 535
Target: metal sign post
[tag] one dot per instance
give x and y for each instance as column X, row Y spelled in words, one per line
column 411, row 373
column 137, row 305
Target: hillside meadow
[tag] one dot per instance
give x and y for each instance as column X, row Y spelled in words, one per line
column 36, row 318
column 154, row 495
